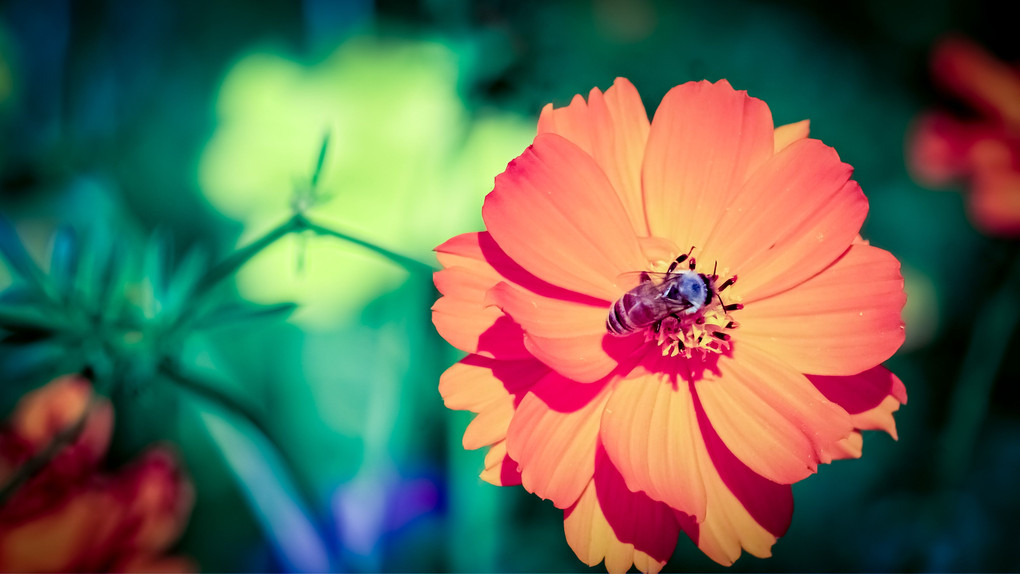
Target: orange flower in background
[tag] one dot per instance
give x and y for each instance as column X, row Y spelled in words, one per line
column 71, row 517
column 983, row 150
column 669, row 322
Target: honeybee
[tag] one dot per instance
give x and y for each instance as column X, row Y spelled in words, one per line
column 661, row 295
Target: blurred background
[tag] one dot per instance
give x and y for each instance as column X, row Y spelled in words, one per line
column 142, row 141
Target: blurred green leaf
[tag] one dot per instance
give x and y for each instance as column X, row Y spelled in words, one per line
column 233, row 313
column 14, row 252
column 64, row 259
column 270, row 491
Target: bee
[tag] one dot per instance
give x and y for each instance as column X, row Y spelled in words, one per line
column 661, row 295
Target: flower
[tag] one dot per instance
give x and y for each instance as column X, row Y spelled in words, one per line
column 983, row 150
column 702, row 418
column 72, row 517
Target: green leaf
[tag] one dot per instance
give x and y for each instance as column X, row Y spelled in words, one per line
column 270, row 491
column 233, row 313
column 64, row 258
column 14, row 252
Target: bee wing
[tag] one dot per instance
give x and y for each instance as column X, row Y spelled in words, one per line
column 632, row 278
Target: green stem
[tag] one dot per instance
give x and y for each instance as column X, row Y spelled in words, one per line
column 989, row 341
column 34, row 465
column 231, row 264
column 409, row 263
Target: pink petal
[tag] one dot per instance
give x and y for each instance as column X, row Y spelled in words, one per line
column 995, row 201
column 650, row 432
column 857, row 393
column 793, row 218
column 594, row 540
column 613, row 129
column 842, row 321
column 567, row 335
column 704, row 141
column 554, row 212
column 552, row 437
column 976, row 76
column 770, row 416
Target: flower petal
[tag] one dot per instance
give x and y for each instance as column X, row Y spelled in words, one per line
column 567, row 335
column 976, row 76
column 500, row 469
column 770, row 416
column 768, row 503
column 794, row 217
column 704, row 141
column 555, row 213
column 842, row 321
column 789, row 133
column 857, row 393
column 613, row 129
column 650, row 432
column 593, row 539
column 552, row 437
column 490, row 388
column 462, row 316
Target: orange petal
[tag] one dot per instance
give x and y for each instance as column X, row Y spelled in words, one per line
column 76, row 534
column 567, row 335
column 768, row 503
column 593, row 539
column 789, row 133
column 793, row 218
column 728, row 528
column 770, row 416
column 554, row 212
column 704, row 141
column 552, row 437
column 879, row 418
column 500, row 469
column 490, row 388
column 613, row 129
column 850, row 447
column 842, row 321
column 462, row 316
column 650, row 432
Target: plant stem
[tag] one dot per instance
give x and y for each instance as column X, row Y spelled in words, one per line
column 231, row 264
column 34, row 465
column 989, row 341
column 409, row 263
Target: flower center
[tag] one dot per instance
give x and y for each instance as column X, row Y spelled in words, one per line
column 680, row 309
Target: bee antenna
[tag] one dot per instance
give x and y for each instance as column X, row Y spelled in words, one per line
column 683, row 257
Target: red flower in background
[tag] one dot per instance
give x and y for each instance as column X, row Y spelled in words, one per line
column 72, row 517
column 983, row 150
column 698, row 413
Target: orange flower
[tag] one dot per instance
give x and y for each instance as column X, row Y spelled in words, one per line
column 696, row 400
column 984, row 150
column 70, row 517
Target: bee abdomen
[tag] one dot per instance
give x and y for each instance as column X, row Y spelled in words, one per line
column 630, row 313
